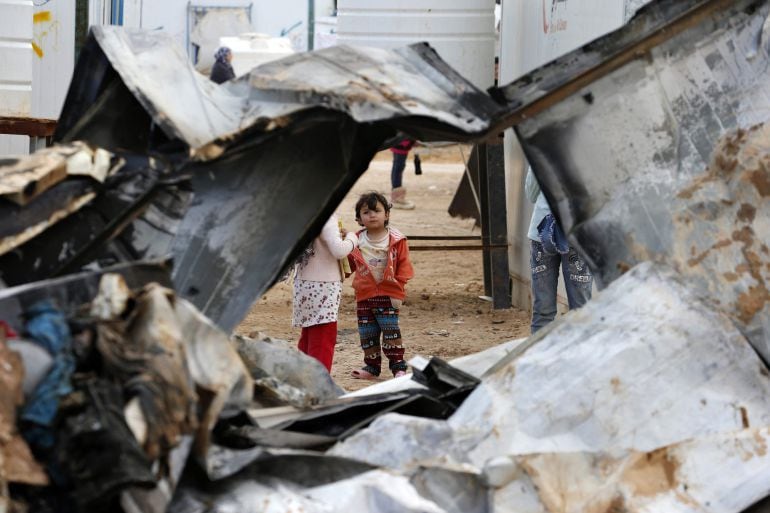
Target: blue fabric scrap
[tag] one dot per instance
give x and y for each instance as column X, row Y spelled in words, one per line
column 48, row 327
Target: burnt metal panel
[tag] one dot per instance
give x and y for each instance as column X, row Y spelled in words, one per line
column 272, row 153
column 75, row 290
column 645, row 156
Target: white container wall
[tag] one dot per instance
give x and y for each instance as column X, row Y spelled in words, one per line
column 100, row 12
column 54, row 57
column 532, row 34
column 462, row 31
column 273, row 18
column 15, row 68
column 325, row 32
column 251, row 50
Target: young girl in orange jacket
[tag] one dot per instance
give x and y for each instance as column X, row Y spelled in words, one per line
column 382, row 268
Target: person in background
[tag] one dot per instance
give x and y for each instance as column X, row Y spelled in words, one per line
column 222, row 71
column 317, row 291
column 548, row 250
column 382, row 268
column 398, row 193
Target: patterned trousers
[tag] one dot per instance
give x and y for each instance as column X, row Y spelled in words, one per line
column 376, row 316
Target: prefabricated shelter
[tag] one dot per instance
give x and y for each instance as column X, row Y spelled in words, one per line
column 200, row 24
column 15, row 67
column 462, row 31
column 37, row 56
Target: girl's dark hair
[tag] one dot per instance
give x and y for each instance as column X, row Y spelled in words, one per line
column 370, row 199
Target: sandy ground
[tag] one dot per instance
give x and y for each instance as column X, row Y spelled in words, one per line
column 443, row 314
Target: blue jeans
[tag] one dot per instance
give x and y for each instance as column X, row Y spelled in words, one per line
column 545, row 277
column 397, row 171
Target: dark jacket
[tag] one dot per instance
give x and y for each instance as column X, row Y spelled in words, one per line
column 222, row 72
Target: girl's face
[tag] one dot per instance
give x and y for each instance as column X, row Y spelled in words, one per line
column 373, row 218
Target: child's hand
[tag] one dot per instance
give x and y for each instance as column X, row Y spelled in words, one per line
column 343, row 232
column 396, row 303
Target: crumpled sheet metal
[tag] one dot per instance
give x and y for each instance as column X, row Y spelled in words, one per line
column 417, row 442
column 369, row 85
column 70, row 292
column 638, row 393
column 27, row 178
column 645, row 399
column 721, row 232
column 29, row 232
column 220, row 375
column 266, row 357
column 133, row 215
column 339, row 105
column 23, row 179
column 376, row 491
column 663, row 159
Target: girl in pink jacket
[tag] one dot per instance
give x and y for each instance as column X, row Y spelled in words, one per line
column 317, row 291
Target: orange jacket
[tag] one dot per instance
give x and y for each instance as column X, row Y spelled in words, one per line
column 398, row 270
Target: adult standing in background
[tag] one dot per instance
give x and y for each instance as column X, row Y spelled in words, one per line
column 222, row 71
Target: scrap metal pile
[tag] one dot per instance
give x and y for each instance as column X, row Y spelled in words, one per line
column 125, row 392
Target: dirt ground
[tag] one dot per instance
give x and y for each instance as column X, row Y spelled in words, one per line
column 443, row 314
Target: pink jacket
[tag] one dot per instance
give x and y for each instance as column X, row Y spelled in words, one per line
column 398, row 271
column 403, row 146
column 328, row 249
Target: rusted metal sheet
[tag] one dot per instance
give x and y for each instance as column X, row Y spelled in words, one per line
column 33, row 127
column 665, row 157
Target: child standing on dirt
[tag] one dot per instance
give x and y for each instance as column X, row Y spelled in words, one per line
column 382, row 267
column 317, row 291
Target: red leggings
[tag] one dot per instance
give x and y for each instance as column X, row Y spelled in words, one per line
column 318, row 341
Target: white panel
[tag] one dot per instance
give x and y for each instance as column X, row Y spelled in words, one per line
column 133, row 12
column 15, row 68
column 171, row 16
column 13, row 145
column 462, row 31
column 15, row 57
column 251, row 50
column 292, row 15
column 99, row 12
column 54, row 59
column 538, row 31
